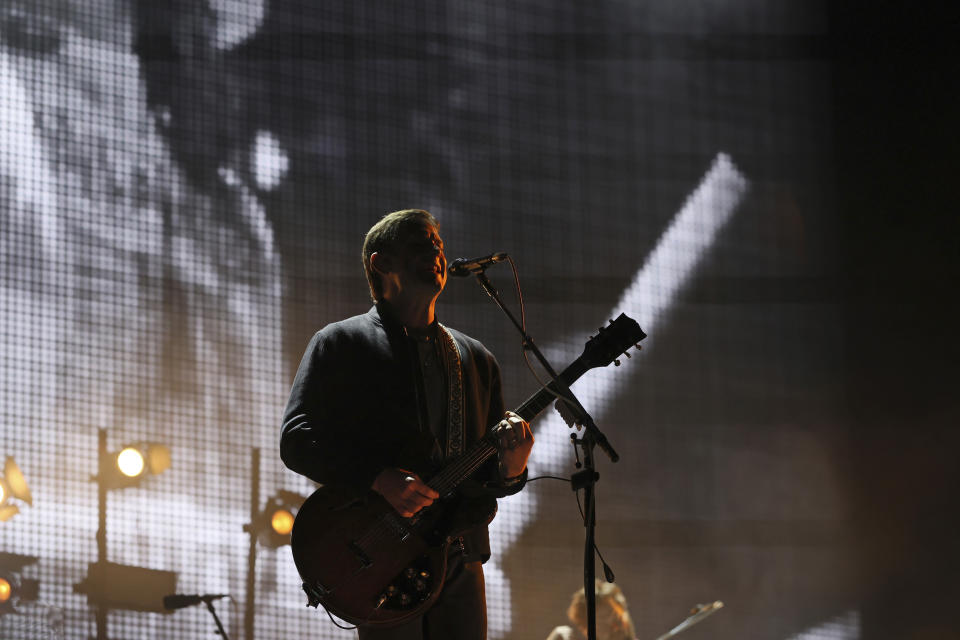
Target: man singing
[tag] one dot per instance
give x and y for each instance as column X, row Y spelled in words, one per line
column 380, row 395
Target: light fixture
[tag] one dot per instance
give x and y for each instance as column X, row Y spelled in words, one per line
column 128, row 466
column 274, row 524
column 149, row 457
column 14, row 588
column 282, row 521
column 114, row 586
column 130, row 462
column 12, row 485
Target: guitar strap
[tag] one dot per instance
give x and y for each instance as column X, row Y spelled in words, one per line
column 455, row 401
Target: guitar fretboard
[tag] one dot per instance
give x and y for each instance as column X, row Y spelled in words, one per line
column 460, row 469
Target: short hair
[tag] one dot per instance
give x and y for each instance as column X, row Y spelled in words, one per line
column 608, row 595
column 384, row 235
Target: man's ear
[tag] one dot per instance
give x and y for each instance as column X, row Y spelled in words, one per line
column 382, row 263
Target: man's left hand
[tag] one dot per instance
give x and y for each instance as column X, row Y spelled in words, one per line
column 515, row 439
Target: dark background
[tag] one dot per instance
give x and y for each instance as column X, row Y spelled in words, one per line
column 895, row 93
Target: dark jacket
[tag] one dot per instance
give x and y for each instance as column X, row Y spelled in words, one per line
column 354, row 411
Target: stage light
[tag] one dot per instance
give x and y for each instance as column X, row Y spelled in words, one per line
column 274, row 524
column 12, row 485
column 114, row 586
column 152, row 457
column 130, row 462
column 14, row 588
column 282, row 522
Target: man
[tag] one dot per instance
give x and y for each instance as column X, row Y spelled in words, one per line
column 380, row 396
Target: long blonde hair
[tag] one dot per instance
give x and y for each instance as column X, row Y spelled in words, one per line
column 613, row 618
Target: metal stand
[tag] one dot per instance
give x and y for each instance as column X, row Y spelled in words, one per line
column 101, row 610
column 584, row 479
column 249, row 604
column 216, row 618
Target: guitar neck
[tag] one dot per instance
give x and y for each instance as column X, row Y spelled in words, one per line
column 535, row 404
column 460, row 469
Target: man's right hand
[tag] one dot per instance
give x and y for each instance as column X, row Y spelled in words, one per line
column 404, row 490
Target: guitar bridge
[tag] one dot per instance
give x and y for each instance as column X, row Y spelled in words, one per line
column 397, row 526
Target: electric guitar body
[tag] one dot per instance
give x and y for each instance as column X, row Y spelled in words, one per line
column 368, row 565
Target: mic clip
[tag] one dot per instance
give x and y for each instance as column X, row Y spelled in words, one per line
column 462, row 267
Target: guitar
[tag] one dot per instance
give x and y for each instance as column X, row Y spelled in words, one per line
column 367, row 564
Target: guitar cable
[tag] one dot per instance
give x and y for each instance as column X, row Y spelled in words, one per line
column 330, row 615
column 607, row 571
column 523, row 327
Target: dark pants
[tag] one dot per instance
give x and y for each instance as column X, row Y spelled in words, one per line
column 460, row 613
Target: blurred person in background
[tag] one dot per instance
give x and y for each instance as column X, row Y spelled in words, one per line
column 613, row 617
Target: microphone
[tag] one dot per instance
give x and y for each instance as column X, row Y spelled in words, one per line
column 462, row 267
column 180, row 600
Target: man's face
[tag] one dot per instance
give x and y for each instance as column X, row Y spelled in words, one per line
column 420, row 260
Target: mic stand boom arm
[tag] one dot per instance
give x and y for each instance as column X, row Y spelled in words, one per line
column 580, row 415
column 585, row 478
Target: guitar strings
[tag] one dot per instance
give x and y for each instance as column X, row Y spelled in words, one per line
column 387, row 526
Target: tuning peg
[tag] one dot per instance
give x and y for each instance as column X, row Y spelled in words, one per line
column 638, row 346
column 611, row 321
column 616, row 363
column 601, row 329
column 627, row 353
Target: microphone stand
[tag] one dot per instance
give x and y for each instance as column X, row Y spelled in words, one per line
column 220, row 630
column 177, row 601
column 584, row 479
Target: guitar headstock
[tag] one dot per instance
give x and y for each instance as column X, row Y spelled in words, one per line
column 612, row 340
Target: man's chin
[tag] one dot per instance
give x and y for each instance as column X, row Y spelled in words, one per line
column 433, row 281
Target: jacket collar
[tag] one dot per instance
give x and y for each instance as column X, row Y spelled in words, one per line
column 381, row 315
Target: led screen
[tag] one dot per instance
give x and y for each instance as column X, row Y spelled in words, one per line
column 184, row 190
